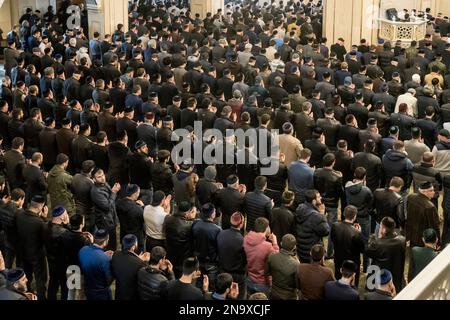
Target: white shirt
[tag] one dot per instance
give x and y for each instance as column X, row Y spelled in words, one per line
column 410, row 100
column 154, row 220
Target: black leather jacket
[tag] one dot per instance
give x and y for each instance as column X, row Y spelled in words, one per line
column 151, row 281
column 329, row 184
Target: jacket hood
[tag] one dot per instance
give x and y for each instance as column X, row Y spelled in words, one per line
column 181, row 175
column 354, row 187
column 395, row 155
column 304, row 212
column 254, row 239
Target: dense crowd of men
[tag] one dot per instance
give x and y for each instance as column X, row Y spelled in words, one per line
column 87, row 130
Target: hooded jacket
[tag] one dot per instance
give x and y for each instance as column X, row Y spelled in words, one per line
column 397, row 164
column 359, row 196
column 312, row 226
column 257, row 250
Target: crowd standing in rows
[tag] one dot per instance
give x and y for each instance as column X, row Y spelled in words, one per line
column 87, row 129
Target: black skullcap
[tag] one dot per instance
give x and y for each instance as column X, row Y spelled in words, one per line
column 385, row 277
column 185, row 206
column 38, row 199
column 349, row 266
column 128, row 109
column 129, row 241
column 139, row 144
column 232, row 180
column 426, row 186
column 101, row 234
column 15, row 275
column 58, row 212
column 207, row 210
column 372, row 122
column 132, row 189
column 48, row 121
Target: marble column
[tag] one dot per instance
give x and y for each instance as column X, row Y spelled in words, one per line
column 204, row 6
column 105, row 15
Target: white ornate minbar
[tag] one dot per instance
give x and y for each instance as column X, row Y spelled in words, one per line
column 406, row 32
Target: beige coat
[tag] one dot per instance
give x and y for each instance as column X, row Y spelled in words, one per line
column 291, row 148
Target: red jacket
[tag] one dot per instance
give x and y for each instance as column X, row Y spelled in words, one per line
column 258, row 250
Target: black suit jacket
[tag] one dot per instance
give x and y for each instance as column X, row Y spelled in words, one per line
column 348, row 245
column 125, row 266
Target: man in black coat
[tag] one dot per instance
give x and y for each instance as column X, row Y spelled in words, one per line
column 372, row 163
column 64, row 137
column 304, row 123
column 226, row 84
column 34, row 178
column 179, row 238
column 359, row 111
column 329, row 183
column 125, row 265
column 81, row 147
column 31, row 230
column 350, row 133
column 130, row 212
column 56, row 254
column 14, row 163
column 107, row 122
column 232, row 257
column 318, row 148
column 71, row 87
column 282, row 220
column 168, row 91
column 47, row 144
column 389, row 203
column 140, row 167
column 129, row 125
column 230, row 200
column 388, row 252
column 31, row 129
column 348, row 242
column 118, row 153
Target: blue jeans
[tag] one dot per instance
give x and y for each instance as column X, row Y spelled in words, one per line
column 253, row 288
column 365, row 232
column 332, row 218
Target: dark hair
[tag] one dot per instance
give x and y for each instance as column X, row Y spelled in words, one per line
column 76, row 221
column 360, row 173
column 311, row 195
column 17, row 142
column 350, row 212
column 17, row 194
column 329, row 159
column 223, row 282
column 261, row 225
column 260, row 183
column 156, row 255
column 190, row 265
